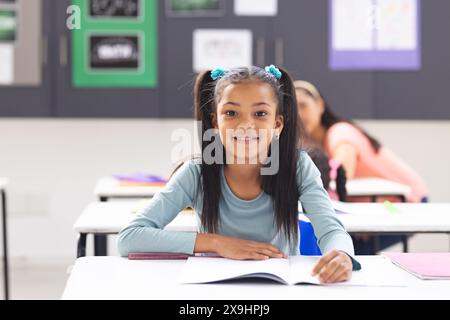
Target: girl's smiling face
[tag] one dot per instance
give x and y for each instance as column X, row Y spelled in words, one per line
column 247, row 120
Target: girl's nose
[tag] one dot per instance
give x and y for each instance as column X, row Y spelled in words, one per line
column 246, row 125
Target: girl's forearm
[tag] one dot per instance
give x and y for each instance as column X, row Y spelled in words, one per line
column 206, row 242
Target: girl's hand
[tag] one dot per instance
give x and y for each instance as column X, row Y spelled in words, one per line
column 238, row 249
column 335, row 266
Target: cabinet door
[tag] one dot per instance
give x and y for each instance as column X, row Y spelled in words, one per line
column 97, row 96
column 301, row 33
column 25, row 76
column 178, row 57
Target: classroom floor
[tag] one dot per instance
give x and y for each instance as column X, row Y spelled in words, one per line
column 36, row 283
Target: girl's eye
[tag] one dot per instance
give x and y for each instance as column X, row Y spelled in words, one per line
column 230, row 113
column 261, row 114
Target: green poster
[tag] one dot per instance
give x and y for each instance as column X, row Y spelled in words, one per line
column 116, row 45
column 8, row 25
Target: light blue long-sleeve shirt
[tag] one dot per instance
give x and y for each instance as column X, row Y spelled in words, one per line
column 250, row 220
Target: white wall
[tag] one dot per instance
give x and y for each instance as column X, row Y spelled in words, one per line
column 53, row 166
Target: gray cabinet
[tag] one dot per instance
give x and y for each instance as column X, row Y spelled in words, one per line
column 27, row 90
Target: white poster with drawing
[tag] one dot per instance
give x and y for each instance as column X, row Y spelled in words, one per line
column 397, row 25
column 351, row 27
column 222, row 48
column 6, row 64
column 374, row 24
column 256, row 7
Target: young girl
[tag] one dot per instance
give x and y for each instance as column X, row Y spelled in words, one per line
column 360, row 154
column 243, row 212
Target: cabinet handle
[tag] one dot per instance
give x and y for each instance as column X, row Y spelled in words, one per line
column 260, row 52
column 279, row 52
column 63, row 51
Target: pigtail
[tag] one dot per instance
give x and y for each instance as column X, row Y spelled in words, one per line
column 282, row 186
column 341, row 180
column 210, row 173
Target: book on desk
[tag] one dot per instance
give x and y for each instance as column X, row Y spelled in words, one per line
column 292, row 271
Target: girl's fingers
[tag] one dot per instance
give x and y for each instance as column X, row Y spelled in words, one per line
column 331, row 272
column 258, row 256
column 266, row 246
column 270, row 253
column 323, row 261
column 341, row 275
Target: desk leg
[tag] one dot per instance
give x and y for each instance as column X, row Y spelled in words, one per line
column 405, row 243
column 81, row 248
column 100, row 240
column 375, row 244
column 5, row 248
column 100, row 245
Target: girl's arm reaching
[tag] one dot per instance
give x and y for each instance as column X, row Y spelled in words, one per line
column 334, row 242
column 145, row 233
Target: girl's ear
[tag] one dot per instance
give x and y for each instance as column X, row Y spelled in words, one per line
column 321, row 105
column 279, row 124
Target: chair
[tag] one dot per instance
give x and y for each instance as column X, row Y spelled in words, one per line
column 308, row 240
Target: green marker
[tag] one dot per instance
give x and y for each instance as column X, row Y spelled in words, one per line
column 390, row 207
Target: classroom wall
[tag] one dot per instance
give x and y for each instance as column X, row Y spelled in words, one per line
column 54, row 164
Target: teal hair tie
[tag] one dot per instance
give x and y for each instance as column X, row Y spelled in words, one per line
column 274, row 71
column 217, row 73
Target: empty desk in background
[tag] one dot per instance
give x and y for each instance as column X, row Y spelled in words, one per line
column 3, row 183
column 398, row 219
column 110, row 188
column 104, row 218
column 120, row 278
column 376, row 188
column 110, row 217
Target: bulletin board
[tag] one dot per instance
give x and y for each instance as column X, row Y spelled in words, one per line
column 116, row 45
column 375, row 34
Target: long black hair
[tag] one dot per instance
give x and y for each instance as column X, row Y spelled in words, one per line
column 329, row 118
column 321, row 160
column 282, row 186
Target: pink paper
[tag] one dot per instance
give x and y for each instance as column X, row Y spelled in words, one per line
column 423, row 265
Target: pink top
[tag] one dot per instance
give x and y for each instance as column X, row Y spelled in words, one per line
column 384, row 164
column 333, row 195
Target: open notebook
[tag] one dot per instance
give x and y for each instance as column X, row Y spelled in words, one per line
column 426, row 266
column 295, row 270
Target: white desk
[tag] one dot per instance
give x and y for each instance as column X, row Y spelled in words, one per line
column 110, row 217
column 411, row 218
column 119, row 278
column 375, row 188
column 3, row 184
column 109, row 187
